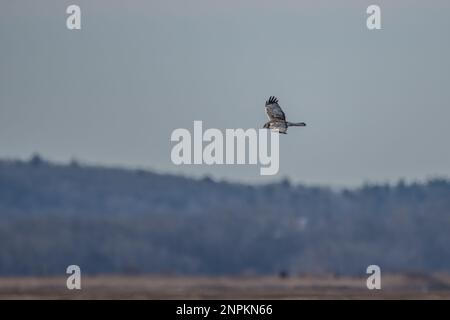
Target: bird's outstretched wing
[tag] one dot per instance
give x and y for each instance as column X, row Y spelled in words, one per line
column 273, row 110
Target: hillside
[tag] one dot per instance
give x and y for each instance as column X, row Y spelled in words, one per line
column 110, row 220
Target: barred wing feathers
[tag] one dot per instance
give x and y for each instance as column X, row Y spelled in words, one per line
column 273, row 110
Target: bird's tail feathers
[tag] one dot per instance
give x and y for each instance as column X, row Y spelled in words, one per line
column 296, row 124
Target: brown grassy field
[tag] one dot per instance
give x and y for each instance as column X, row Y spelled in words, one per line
column 244, row 287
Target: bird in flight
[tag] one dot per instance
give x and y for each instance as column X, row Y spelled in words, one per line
column 277, row 118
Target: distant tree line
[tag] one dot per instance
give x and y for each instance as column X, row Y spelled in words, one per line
column 110, row 220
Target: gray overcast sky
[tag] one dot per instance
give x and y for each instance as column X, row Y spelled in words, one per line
column 377, row 103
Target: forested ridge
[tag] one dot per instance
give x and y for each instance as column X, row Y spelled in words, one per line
column 109, row 220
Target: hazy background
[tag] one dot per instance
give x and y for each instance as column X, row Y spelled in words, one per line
column 376, row 102
column 82, row 113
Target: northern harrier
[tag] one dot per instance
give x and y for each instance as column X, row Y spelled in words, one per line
column 277, row 119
